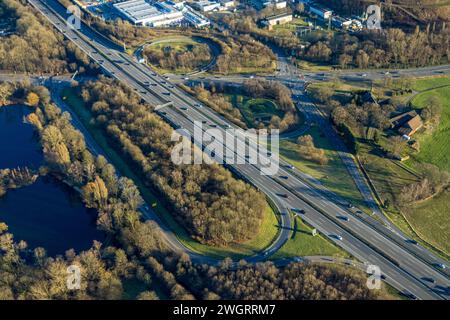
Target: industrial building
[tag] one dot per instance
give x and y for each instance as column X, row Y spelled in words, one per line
column 261, row 4
column 153, row 14
column 340, row 23
column 194, row 18
column 227, row 4
column 320, row 11
column 205, row 5
column 277, row 20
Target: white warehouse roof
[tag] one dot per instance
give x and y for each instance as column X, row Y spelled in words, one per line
column 143, row 12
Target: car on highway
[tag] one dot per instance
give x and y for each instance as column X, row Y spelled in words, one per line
column 290, row 166
column 203, row 121
column 440, row 265
column 166, row 93
column 198, row 105
column 184, row 108
column 351, row 206
column 297, row 210
column 409, row 295
column 212, row 125
column 343, row 218
column 428, row 279
column 282, row 195
column 412, row 241
column 336, row 236
column 284, row 177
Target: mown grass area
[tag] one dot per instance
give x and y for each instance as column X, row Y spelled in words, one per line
column 269, row 224
column 333, row 175
column 289, row 27
column 431, row 220
column 303, row 243
column 431, row 83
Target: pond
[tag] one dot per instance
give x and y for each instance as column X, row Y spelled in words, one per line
column 48, row 213
column 18, row 142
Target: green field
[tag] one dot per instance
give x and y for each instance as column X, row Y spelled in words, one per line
column 431, row 220
column 269, row 225
column 304, row 244
column 333, row 175
column 435, row 147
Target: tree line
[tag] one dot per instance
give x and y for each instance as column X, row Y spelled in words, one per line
column 34, row 47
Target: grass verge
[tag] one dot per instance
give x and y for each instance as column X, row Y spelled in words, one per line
column 333, row 175
column 304, row 244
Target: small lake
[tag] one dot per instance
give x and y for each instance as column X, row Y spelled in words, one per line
column 18, row 142
column 48, row 213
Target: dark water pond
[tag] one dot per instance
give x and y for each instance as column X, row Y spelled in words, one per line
column 47, row 213
column 18, row 141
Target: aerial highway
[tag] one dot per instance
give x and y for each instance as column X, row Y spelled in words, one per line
column 403, row 265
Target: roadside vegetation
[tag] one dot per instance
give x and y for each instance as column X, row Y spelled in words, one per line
column 258, row 104
column 211, row 205
column 303, row 243
column 322, row 163
column 179, row 56
column 269, row 225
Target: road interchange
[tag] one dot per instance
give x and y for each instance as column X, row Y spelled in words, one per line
column 403, row 267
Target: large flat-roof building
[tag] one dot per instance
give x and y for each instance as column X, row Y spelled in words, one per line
column 320, row 11
column 277, row 20
column 149, row 13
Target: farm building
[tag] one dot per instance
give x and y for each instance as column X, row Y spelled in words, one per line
column 407, row 123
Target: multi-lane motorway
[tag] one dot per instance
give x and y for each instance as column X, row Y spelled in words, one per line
column 406, row 266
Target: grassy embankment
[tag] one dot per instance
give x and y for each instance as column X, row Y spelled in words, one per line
column 303, row 243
